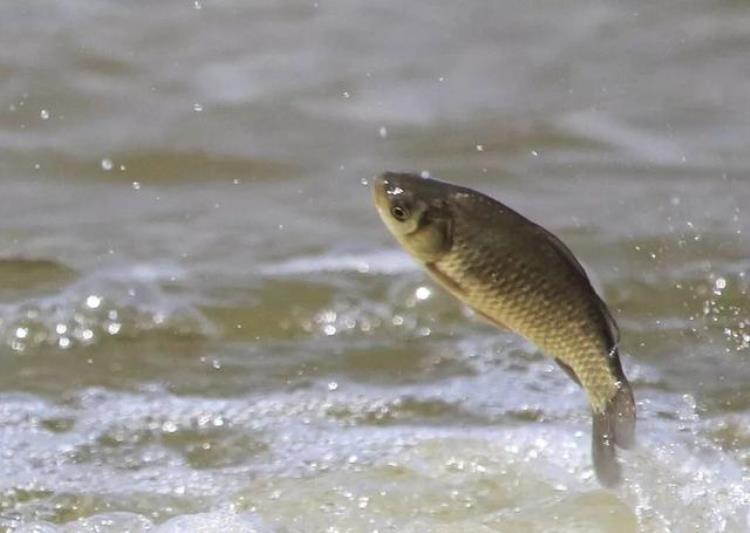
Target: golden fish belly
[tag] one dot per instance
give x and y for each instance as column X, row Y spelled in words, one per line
column 557, row 316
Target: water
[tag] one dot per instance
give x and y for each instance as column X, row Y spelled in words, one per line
column 205, row 327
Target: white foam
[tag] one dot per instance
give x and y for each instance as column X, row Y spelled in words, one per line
column 216, row 522
column 390, row 261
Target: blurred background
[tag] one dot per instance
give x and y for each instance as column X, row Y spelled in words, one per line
column 205, row 327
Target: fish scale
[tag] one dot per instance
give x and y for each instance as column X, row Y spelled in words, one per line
column 528, row 317
column 520, row 277
column 531, row 306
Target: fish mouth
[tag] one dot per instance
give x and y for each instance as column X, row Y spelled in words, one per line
column 380, row 188
column 390, row 184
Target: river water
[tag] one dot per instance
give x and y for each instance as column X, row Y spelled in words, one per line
column 205, row 327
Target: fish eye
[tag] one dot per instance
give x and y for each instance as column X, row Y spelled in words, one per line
column 399, row 212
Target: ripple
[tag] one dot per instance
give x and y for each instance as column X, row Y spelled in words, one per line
column 19, row 276
column 105, row 304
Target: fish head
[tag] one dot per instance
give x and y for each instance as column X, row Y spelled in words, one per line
column 416, row 211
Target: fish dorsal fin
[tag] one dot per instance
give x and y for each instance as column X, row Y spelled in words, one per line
column 562, row 250
column 614, row 329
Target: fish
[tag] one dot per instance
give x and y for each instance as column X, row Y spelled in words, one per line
column 519, row 277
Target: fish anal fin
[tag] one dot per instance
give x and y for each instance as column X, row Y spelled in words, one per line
column 569, row 371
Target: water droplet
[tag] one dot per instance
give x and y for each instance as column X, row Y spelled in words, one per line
column 346, row 94
column 383, row 132
column 197, row 107
column 44, row 114
column 197, row 5
column 93, row 301
column 136, row 185
column 364, row 181
column 236, row 181
column 535, row 153
column 22, row 333
column 106, row 164
column 327, row 316
column 17, row 345
column 332, row 386
column 64, row 342
column 422, row 293
column 480, row 148
column 329, row 329
column 425, row 173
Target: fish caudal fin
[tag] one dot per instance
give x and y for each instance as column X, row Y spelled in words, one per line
column 621, row 412
column 606, row 466
column 615, row 426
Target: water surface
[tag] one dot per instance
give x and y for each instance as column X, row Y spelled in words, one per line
column 205, row 327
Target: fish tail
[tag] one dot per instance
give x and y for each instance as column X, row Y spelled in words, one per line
column 612, row 427
column 606, row 466
column 621, row 412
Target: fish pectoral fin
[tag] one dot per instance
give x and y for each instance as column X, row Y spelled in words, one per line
column 490, row 320
column 444, row 280
column 569, row 371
